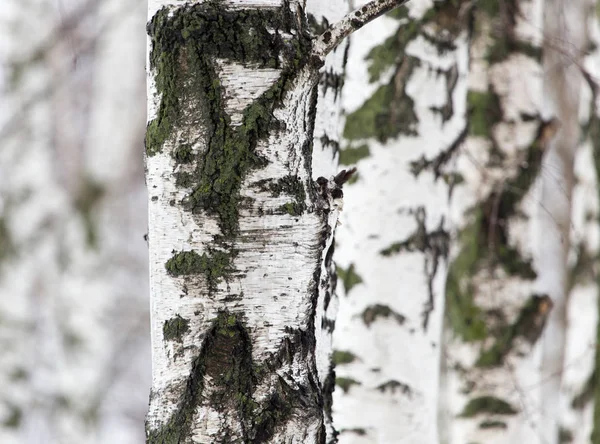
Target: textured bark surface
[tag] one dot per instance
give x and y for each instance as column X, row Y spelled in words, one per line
column 405, row 97
column 240, row 234
column 494, row 316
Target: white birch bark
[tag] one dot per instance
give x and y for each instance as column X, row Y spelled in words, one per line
column 72, row 308
column 565, row 42
column 579, row 389
column 491, row 374
column 240, row 234
column 404, row 96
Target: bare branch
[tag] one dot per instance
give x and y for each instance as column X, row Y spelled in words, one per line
column 337, row 32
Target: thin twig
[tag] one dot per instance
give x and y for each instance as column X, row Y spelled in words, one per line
column 337, row 32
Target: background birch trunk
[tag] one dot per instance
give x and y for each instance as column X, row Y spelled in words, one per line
column 494, row 316
column 240, row 234
column 73, row 314
column 565, row 42
column 405, row 97
column 579, row 402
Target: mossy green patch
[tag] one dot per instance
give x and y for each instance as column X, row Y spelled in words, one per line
column 484, row 112
column 462, row 313
column 349, row 278
column 185, row 44
column 183, row 153
column 345, row 383
column 351, row 155
column 89, row 194
column 290, row 185
column 502, row 48
column 376, row 311
column 487, row 405
column 175, row 328
column 14, row 418
column 387, row 113
column 341, row 357
column 213, row 266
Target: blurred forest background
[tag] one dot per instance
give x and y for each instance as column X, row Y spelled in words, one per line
column 74, row 307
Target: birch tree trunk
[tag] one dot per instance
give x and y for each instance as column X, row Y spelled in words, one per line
column 580, row 402
column 565, row 42
column 494, row 316
column 405, row 117
column 72, row 215
column 240, row 235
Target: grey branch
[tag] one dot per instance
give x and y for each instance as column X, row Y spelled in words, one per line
column 337, row 32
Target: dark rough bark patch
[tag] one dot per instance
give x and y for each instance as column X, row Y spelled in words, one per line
column 183, row 51
column 175, row 328
column 226, row 358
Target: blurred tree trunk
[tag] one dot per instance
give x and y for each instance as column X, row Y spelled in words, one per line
column 580, row 396
column 240, row 233
column 73, row 263
column 494, row 316
column 565, row 44
column 405, row 97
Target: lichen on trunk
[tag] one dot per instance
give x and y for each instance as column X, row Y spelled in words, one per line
column 239, row 230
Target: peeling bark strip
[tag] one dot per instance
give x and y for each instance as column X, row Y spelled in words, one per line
column 240, row 235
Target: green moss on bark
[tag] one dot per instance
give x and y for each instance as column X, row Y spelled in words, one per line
column 185, row 44
column 213, row 266
column 175, row 328
column 349, row 278
column 484, row 112
column 487, row 405
column 226, row 360
column 345, row 383
column 376, row 311
column 341, row 357
column 350, row 155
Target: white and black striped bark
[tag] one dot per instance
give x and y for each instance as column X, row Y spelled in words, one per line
column 404, row 96
column 240, row 227
column 494, row 315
